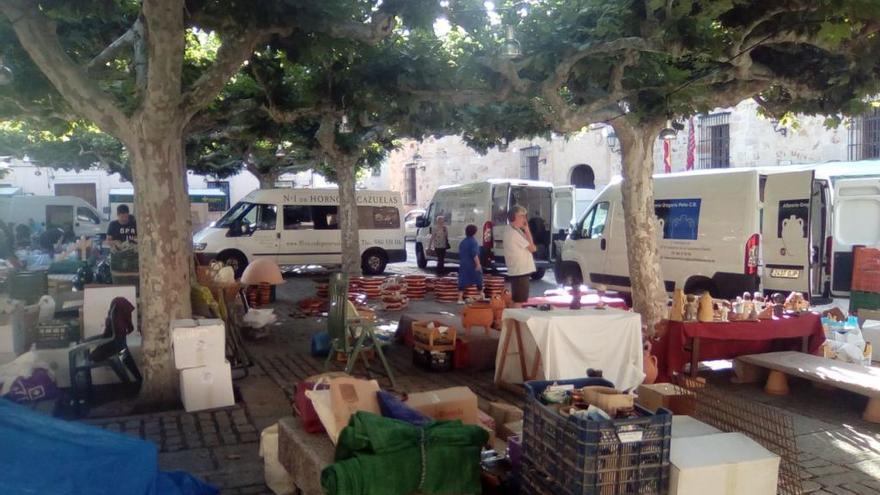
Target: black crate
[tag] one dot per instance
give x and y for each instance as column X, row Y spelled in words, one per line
column 54, row 334
column 433, row 360
column 572, row 456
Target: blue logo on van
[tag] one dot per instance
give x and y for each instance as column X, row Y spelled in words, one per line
column 678, row 218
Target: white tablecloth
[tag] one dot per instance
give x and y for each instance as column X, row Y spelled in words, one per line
column 572, row 341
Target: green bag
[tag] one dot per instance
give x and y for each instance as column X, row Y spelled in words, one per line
column 383, row 456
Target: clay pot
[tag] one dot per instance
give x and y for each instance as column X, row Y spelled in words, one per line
column 477, row 315
column 498, row 305
column 706, row 311
column 650, row 367
column 676, row 313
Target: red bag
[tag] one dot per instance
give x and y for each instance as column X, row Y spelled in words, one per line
column 303, row 408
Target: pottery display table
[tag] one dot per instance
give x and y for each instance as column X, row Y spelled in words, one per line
column 693, row 342
column 561, row 344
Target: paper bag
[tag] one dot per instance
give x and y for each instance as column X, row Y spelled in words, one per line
column 349, row 395
column 322, row 404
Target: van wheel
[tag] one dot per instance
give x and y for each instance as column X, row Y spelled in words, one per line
column 698, row 285
column 539, row 273
column 373, row 262
column 234, row 259
column 421, row 260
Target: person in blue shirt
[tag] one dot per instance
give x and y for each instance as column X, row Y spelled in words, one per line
column 469, row 270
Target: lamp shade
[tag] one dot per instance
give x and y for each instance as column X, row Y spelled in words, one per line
column 262, row 271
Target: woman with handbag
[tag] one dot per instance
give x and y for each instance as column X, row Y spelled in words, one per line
column 439, row 242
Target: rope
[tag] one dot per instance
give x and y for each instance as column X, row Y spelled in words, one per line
column 423, row 447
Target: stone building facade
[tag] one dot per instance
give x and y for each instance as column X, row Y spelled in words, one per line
column 732, row 137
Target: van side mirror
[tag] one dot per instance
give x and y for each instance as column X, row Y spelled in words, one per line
column 421, row 222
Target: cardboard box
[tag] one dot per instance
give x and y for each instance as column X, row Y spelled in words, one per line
column 447, row 404
column 667, row 395
column 207, row 387
column 511, row 429
column 198, row 343
column 722, row 464
column 686, row 426
column 504, row 413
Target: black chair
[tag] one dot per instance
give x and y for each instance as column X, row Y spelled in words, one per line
column 110, row 349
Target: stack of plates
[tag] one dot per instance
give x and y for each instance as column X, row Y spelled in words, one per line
column 493, row 285
column 416, row 286
column 359, row 299
column 372, row 286
column 472, row 292
column 322, row 289
column 395, row 302
column 446, row 289
column 354, row 284
column 429, row 283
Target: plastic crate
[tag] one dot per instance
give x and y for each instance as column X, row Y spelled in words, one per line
column 571, row 456
column 55, row 334
column 863, row 300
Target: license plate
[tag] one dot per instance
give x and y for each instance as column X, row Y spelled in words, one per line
column 784, row 273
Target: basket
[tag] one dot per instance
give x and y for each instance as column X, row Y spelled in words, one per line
column 572, row 456
column 431, row 338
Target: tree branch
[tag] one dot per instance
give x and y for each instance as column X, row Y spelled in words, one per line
column 380, row 26
column 232, row 54
column 113, row 49
column 38, row 37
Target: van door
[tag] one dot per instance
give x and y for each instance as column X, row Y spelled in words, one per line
column 563, row 214
column 855, row 221
column 61, row 217
column 263, row 236
column 785, row 231
column 590, row 243
column 88, row 223
column 310, row 235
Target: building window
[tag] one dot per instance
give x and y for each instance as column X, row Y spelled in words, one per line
column 410, row 184
column 528, row 168
column 864, row 136
column 223, row 185
column 714, row 146
column 582, row 177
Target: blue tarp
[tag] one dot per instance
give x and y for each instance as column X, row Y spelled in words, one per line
column 42, row 455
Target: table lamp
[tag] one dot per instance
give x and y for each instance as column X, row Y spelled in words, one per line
column 263, row 273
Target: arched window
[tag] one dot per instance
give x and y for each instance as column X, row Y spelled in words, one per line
column 582, row 177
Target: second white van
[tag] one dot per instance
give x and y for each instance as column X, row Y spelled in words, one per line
column 301, row 227
column 72, row 214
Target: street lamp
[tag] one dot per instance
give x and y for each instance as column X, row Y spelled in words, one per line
column 668, row 133
column 511, row 48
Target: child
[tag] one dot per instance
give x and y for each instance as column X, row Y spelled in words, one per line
column 469, row 270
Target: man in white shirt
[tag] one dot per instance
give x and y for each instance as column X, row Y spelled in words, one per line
column 518, row 249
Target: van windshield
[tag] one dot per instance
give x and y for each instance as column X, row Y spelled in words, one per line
column 232, row 215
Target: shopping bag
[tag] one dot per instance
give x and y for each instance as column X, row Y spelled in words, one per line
column 349, row 395
column 277, row 478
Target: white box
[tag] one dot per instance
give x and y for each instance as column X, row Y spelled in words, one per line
column 722, row 464
column 686, row 426
column 198, row 343
column 871, row 333
column 207, row 387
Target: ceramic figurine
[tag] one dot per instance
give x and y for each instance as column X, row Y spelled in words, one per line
column 706, row 311
column 738, row 306
column 766, row 313
column 724, row 309
column 778, row 305
column 676, row 312
column 690, row 309
column 748, row 304
column 759, row 301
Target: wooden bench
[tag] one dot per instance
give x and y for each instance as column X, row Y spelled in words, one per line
column 862, row 380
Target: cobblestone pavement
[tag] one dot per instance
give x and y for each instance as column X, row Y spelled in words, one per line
column 839, row 453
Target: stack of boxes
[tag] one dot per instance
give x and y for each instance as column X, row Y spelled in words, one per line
column 200, row 356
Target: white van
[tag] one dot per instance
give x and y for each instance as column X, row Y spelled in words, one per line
column 485, row 204
column 782, row 229
column 301, row 227
column 69, row 213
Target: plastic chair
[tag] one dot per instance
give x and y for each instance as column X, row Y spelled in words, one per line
column 350, row 334
column 110, row 349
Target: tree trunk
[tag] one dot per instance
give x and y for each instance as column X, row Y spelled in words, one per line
column 267, row 181
column 348, row 216
column 164, row 247
column 648, row 291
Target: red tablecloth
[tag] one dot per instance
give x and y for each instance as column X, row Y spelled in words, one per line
column 736, row 338
column 563, row 301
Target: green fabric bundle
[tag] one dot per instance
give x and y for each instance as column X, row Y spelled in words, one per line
column 383, row 456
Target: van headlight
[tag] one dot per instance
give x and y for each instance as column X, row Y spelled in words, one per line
column 199, row 246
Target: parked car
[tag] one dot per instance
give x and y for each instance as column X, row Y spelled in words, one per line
column 776, row 229
column 301, row 227
column 71, row 214
column 485, row 204
column 409, row 222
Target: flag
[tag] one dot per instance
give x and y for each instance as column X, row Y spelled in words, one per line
column 667, row 157
column 692, row 145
